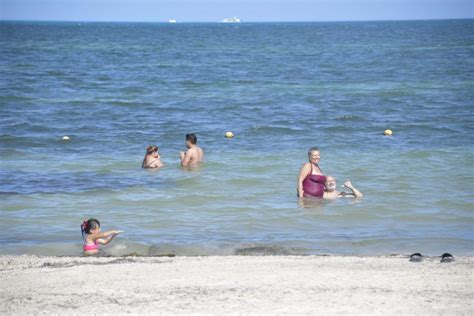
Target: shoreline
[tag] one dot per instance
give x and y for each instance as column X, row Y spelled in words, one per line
column 235, row 284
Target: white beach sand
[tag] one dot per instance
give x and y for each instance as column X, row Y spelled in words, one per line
column 217, row 285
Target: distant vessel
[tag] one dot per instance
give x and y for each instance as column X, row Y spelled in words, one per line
column 231, row 20
column 171, row 21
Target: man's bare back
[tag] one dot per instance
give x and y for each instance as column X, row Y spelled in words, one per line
column 192, row 156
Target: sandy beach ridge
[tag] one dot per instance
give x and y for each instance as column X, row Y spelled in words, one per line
column 236, row 285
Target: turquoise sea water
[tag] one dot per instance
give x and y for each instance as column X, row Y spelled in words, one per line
column 115, row 88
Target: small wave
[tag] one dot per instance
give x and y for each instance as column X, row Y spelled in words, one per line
column 164, row 66
column 71, row 182
column 24, row 66
column 267, row 250
column 55, row 73
column 284, row 130
column 10, row 98
column 192, row 84
column 348, row 118
column 172, row 250
column 245, row 82
column 130, row 103
column 76, row 263
column 18, row 141
column 133, row 89
column 104, row 78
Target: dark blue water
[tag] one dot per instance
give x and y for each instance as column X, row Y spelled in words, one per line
column 115, row 88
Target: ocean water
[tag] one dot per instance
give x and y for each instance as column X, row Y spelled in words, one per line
column 115, row 88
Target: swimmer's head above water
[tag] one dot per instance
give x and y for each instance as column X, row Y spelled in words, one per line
column 330, row 184
column 90, row 226
column 314, row 155
column 191, row 140
column 152, row 150
column 152, row 157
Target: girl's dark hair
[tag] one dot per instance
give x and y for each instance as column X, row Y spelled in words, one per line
column 89, row 225
column 149, row 150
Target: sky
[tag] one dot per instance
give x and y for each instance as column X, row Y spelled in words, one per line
column 247, row 10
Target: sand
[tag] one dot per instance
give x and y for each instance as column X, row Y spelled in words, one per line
column 236, row 285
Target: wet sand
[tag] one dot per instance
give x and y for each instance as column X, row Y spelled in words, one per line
column 247, row 285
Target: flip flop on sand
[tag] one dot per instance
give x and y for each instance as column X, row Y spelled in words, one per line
column 416, row 257
column 447, row 257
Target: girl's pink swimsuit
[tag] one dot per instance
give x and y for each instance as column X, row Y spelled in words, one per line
column 90, row 247
column 313, row 184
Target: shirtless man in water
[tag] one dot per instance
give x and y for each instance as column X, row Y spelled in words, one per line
column 193, row 155
column 331, row 193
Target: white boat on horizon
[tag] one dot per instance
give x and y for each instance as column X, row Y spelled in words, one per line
column 231, row 20
column 171, row 21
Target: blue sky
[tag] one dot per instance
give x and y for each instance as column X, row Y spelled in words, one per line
column 247, row 10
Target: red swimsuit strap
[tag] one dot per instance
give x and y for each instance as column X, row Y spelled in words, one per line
column 311, row 173
column 319, row 178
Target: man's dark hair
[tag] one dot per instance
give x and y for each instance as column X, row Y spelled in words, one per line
column 191, row 138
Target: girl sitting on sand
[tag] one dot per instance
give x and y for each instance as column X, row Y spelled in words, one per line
column 93, row 236
column 152, row 158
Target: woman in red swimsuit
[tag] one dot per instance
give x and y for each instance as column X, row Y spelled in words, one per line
column 311, row 179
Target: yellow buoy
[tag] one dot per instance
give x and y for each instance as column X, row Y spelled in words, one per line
column 65, row 137
column 229, row 135
column 388, row 132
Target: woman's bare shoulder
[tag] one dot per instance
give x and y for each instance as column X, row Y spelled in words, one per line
column 306, row 165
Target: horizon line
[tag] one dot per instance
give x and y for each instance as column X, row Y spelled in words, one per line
column 244, row 21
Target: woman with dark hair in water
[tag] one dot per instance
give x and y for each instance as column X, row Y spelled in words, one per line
column 311, row 180
column 152, row 158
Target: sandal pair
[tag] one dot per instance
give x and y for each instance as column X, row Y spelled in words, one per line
column 445, row 257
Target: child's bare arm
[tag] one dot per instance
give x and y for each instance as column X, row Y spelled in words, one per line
column 105, row 234
column 106, row 241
